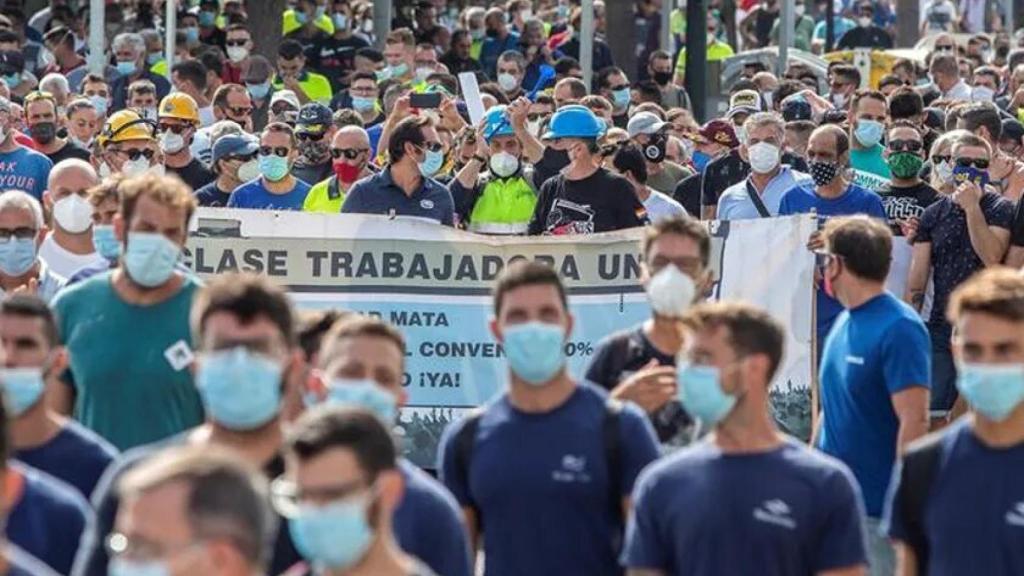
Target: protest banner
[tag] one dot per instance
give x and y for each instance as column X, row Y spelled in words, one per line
column 434, row 284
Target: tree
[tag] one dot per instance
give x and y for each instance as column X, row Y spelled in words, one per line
column 265, row 25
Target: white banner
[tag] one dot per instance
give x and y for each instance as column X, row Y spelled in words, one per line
column 434, row 284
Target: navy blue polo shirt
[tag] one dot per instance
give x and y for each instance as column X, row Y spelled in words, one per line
column 378, row 194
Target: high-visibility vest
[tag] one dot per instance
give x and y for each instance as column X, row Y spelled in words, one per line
column 505, row 206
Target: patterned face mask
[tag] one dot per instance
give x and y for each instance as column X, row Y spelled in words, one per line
column 823, row 172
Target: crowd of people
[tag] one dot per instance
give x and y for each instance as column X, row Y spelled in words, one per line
column 157, row 423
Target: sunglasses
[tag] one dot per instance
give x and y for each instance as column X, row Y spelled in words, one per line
column 309, row 137
column 348, row 153
column 19, row 233
column 905, row 146
column 238, row 43
column 176, row 128
column 433, row 146
column 619, row 87
column 239, row 158
column 240, row 111
column 938, row 158
column 281, row 151
column 535, row 117
column 979, row 163
column 135, row 153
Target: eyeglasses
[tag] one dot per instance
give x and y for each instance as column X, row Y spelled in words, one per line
column 239, row 111
column 979, row 163
column 905, row 145
column 238, row 43
column 18, row 233
column 939, row 158
column 433, row 146
column 176, row 128
column 309, row 137
column 134, row 154
column 286, row 497
column 281, row 151
column 348, row 153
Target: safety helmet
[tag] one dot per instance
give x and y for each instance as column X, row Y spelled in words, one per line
column 575, row 121
column 497, row 123
column 180, row 106
column 126, row 125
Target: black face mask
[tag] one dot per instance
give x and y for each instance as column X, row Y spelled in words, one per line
column 492, row 33
column 662, row 78
column 43, row 132
column 555, row 159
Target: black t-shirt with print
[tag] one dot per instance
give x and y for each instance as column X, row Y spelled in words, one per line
column 906, row 202
column 687, row 193
column 69, row 150
column 601, row 202
column 954, row 260
column 335, row 58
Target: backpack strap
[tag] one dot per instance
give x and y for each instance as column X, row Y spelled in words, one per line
column 464, row 443
column 921, row 465
column 610, row 431
column 756, row 199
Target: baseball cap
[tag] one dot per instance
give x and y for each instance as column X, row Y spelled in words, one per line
column 284, row 96
column 1012, row 130
column 744, row 101
column 644, row 123
column 234, row 145
column 313, row 118
column 720, row 132
column 796, row 109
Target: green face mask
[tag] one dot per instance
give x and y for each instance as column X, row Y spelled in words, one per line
column 905, row 164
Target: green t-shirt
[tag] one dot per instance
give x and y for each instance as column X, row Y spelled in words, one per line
column 870, row 160
column 129, row 363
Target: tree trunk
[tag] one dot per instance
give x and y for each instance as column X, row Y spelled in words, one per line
column 265, row 26
column 621, row 35
column 908, row 24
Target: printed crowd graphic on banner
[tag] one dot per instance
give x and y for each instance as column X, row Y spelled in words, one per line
column 434, row 284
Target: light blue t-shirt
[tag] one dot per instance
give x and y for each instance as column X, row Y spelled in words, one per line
column 874, row 351
column 870, row 160
column 840, row 27
column 735, row 202
column 540, row 482
column 24, row 169
column 254, row 194
column 974, row 514
column 787, row 511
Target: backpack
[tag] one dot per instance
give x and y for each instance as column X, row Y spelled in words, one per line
column 465, row 442
column 921, row 465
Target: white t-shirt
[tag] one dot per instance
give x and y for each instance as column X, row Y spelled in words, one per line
column 61, row 261
column 660, row 206
column 959, row 91
column 206, row 116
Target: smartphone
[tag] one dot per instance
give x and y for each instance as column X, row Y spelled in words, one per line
column 429, row 100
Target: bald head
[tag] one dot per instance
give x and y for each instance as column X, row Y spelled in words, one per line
column 71, row 176
column 354, row 145
column 828, row 143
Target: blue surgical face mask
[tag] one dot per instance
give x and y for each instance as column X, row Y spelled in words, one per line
column 319, row 12
column 363, row 394
column 192, row 34
column 149, row 258
column 100, row 103
column 12, row 80
column 126, row 68
column 869, row 132
column 153, row 57
column 273, row 167
column 17, row 255
column 207, row 19
column 363, row 104
column 126, row 567
column 700, row 160
column 535, row 351
column 258, row 91
column 993, row 390
column 398, row 70
column 701, row 394
column 335, row 536
column 241, row 390
column 432, row 162
column 105, row 242
column 301, row 17
column 620, row 98
column 340, row 21
column 23, row 387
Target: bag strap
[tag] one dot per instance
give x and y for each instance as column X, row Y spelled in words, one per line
column 613, row 456
column 756, row 199
column 921, row 466
column 464, row 442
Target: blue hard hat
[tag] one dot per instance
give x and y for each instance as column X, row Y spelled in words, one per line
column 497, row 123
column 575, row 121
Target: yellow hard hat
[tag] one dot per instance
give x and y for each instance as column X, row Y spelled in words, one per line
column 180, row 106
column 126, row 125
